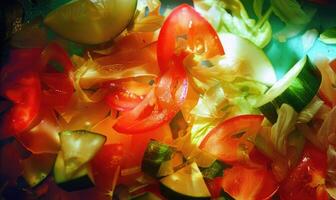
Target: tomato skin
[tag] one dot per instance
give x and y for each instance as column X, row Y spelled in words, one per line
column 125, row 94
column 159, row 106
column 215, row 187
column 306, row 180
column 106, row 168
column 243, row 183
column 57, row 87
column 201, row 38
column 24, row 91
column 226, row 142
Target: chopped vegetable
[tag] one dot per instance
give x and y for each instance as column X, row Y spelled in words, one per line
column 231, row 16
column 88, row 21
column 329, row 36
column 297, row 88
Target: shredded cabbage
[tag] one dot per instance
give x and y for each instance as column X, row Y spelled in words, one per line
column 327, row 132
column 284, row 125
column 293, row 15
column 147, row 22
column 222, row 101
column 310, row 110
column 231, row 16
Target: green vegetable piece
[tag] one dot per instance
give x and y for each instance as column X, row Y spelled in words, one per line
column 329, row 36
column 155, row 154
column 215, row 170
column 91, row 22
column 297, row 89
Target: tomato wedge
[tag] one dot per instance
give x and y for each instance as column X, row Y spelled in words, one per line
column 244, row 183
column 24, row 91
column 57, row 86
column 229, row 140
column 185, row 30
column 159, row 106
column 106, row 169
column 307, row 179
column 126, row 94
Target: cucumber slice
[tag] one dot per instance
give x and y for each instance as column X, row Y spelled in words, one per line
column 215, row 170
column 253, row 57
column 81, row 179
column 78, row 147
column 155, row 154
column 186, row 183
column 72, row 170
column 297, row 88
column 37, row 167
column 91, row 22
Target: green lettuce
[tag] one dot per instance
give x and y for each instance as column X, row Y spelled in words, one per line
column 231, row 16
column 222, row 101
column 295, row 17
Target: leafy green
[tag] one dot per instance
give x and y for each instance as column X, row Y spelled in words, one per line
column 329, row 36
column 231, row 16
column 293, row 15
column 284, row 125
column 222, row 101
column 291, row 12
column 310, row 110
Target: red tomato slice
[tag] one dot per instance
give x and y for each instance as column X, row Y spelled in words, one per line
column 244, row 183
column 185, row 30
column 57, row 87
column 126, row 94
column 106, row 167
column 229, row 140
column 24, row 92
column 307, row 179
column 215, row 187
column 159, row 106
column 20, row 60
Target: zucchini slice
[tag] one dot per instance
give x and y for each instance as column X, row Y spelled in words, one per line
column 81, row 179
column 91, row 22
column 72, row 170
column 37, row 167
column 155, row 154
column 186, row 183
column 79, row 147
column 297, row 88
column 215, row 170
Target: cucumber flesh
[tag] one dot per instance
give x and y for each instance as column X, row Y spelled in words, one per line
column 186, row 183
column 82, row 179
column 253, row 57
column 78, row 147
column 37, row 167
column 297, row 88
column 91, row 22
column 72, row 170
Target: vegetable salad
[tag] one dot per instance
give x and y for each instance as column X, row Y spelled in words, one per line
column 135, row 100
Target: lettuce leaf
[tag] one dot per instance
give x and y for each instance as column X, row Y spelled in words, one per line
column 143, row 22
column 224, row 100
column 231, row 16
column 293, row 15
column 284, row 125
